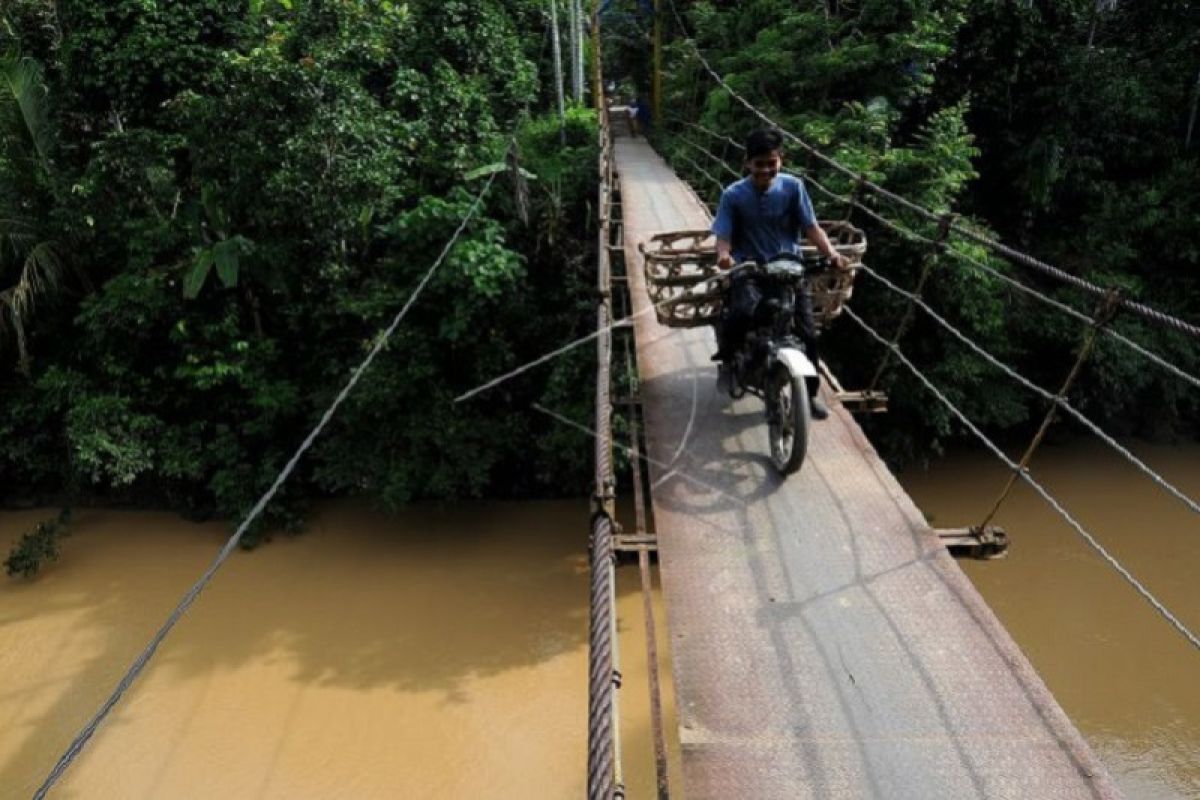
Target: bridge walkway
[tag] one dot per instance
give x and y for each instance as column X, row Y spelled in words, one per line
column 825, row 644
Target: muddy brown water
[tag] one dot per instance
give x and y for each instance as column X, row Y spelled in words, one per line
column 1126, row 678
column 443, row 653
column 435, row 654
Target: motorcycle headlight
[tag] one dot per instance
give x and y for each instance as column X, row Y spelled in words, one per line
column 785, row 268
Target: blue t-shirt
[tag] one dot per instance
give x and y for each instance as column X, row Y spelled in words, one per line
column 760, row 225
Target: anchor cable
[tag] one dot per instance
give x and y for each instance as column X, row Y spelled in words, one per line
column 81, row 739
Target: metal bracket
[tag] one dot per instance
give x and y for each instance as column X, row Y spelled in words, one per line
column 866, row 402
column 633, row 542
column 984, row 543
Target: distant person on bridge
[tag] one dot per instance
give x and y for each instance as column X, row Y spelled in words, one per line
column 761, row 216
column 639, row 116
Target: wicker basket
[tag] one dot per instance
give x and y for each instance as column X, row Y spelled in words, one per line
column 682, row 276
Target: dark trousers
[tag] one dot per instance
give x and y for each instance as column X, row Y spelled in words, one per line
column 742, row 308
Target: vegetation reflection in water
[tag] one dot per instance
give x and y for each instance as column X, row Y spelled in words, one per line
column 434, row 654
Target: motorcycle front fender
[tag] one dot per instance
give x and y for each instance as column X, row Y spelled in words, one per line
column 797, row 363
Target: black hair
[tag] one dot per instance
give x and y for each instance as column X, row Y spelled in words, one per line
column 762, row 141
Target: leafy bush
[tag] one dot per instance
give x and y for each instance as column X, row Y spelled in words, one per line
column 38, row 546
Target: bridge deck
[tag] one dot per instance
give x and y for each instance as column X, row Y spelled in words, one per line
column 825, row 644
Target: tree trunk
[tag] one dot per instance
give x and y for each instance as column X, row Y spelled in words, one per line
column 828, row 23
column 573, row 27
column 558, row 70
column 1100, row 7
column 581, row 19
column 1187, row 142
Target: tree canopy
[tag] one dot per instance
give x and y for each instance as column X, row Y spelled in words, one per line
column 212, row 208
column 208, row 210
column 1062, row 128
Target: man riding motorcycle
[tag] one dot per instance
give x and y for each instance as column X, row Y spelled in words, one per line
column 759, row 217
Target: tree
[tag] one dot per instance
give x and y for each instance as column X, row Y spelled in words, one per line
column 260, row 187
column 34, row 266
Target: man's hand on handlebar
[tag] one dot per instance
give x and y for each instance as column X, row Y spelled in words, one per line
column 839, row 261
column 724, row 261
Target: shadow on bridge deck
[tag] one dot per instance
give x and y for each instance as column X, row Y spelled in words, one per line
column 825, row 643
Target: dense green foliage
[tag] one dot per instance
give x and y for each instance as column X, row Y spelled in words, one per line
column 209, row 209
column 238, row 197
column 1060, row 127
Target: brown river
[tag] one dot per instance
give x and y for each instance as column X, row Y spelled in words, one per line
column 443, row 653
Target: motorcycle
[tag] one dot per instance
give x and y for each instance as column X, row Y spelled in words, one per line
column 771, row 363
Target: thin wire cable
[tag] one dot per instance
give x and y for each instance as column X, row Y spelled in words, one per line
column 1087, row 537
column 553, row 354
column 727, row 139
column 712, row 156
column 1061, row 402
column 80, row 741
column 712, row 178
column 1141, row 309
column 1014, row 283
column 641, row 456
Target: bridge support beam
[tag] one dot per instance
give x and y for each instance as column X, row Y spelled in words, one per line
column 984, row 543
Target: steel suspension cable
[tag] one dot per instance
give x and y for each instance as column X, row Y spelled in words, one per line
column 1062, row 403
column 564, row 349
column 81, row 740
column 1037, row 487
column 712, row 156
column 720, row 186
column 963, row 257
column 604, row 767
column 1141, row 309
column 1008, row 280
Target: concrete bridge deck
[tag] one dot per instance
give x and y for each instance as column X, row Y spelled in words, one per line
column 825, row 644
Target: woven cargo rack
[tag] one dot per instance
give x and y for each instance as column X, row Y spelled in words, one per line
column 681, row 271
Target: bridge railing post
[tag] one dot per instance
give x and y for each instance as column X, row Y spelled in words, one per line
column 1104, row 314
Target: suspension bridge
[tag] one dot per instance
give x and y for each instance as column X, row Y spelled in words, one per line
column 824, row 642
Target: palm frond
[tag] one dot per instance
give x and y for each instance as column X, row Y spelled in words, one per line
column 23, row 91
column 5, row 317
column 9, row 309
column 17, row 234
column 43, row 275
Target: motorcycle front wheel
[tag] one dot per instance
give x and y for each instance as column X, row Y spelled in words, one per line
column 787, row 419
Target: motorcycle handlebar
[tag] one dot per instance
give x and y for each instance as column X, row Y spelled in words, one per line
column 812, row 265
